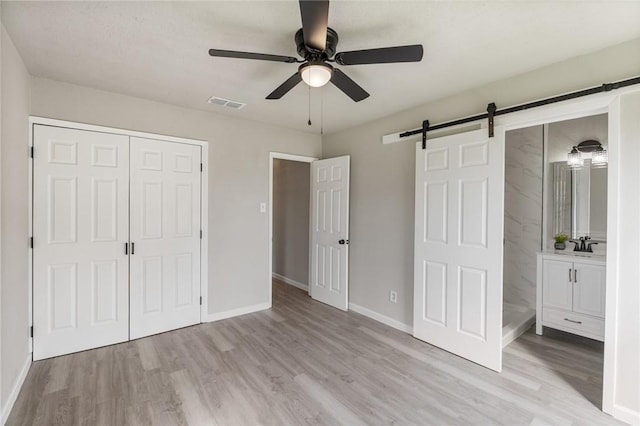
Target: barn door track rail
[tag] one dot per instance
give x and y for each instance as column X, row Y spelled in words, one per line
column 493, row 112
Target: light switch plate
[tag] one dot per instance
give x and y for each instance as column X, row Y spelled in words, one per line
column 263, row 207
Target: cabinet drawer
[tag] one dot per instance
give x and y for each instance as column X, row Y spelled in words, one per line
column 574, row 323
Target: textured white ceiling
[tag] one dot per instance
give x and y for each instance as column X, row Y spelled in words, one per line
column 158, row 50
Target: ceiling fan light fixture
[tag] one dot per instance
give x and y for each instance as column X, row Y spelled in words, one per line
column 316, row 74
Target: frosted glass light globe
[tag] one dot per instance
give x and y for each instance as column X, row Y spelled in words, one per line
column 316, row 75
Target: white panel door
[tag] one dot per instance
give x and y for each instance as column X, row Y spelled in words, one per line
column 81, row 225
column 458, row 245
column 165, row 236
column 330, row 231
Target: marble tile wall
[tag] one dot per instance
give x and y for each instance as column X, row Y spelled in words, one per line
column 523, row 213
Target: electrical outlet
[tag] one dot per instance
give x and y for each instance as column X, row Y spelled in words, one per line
column 263, row 207
column 393, row 296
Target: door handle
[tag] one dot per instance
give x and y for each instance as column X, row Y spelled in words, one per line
column 569, row 274
column 133, row 248
column 126, row 248
column 575, row 276
column 343, row 242
column 573, row 321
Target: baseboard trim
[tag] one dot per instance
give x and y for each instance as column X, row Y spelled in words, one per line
column 513, row 333
column 290, row 281
column 626, row 415
column 15, row 390
column 237, row 312
column 381, row 318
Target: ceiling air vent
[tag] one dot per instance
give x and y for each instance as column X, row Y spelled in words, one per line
column 226, row 102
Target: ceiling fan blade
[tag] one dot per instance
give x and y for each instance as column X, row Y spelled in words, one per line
column 348, row 86
column 284, row 88
column 249, row 55
column 315, row 19
column 385, row 55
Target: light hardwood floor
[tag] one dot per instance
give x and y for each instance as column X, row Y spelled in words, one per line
column 303, row 362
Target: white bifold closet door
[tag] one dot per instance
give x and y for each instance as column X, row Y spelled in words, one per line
column 116, row 238
column 165, row 236
column 458, row 245
column 81, row 225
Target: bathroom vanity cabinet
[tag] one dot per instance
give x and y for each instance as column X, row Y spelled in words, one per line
column 571, row 293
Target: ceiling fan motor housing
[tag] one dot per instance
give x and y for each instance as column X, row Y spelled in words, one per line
column 311, row 54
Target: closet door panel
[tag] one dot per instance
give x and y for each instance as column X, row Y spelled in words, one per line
column 81, row 225
column 165, row 236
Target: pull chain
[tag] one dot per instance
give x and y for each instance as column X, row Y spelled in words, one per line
column 321, row 112
column 309, row 122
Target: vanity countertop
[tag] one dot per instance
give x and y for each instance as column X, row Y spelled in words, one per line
column 578, row 255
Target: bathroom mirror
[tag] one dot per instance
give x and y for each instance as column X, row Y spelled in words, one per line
column 580, row 200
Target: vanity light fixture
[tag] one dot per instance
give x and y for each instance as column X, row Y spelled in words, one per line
column 588, row 149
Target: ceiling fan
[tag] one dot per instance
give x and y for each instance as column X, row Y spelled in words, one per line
column 316, row 43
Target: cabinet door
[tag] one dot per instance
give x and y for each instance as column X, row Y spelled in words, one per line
column 556, row 287
column 588, row 290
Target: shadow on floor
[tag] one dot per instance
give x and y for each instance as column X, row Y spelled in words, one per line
column 583, row 373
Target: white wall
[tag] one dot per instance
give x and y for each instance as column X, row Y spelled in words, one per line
column 522, row 214
column 238, row 176
column 382, row 176
column 14, row 220
column 291, row 180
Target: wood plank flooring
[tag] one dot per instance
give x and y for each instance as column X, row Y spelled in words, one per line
column 303, row 362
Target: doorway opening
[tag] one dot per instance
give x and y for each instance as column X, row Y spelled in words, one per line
column 290, row 241
column 328, row 226
column 289, row 204
column 550, row 197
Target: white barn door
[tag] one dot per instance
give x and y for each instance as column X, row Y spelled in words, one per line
column 165, row 236
column 458, row 245
column 330, row 232
column 81, row 225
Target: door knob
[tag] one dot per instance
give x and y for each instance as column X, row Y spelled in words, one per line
column 343, row 242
